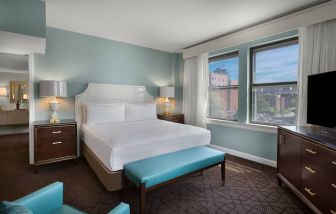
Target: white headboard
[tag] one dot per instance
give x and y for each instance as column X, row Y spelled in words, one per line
column 109, row 93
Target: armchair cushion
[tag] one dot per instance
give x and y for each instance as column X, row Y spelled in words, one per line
column 66, row 209
column 122, row 208
column 49, row 199
column 13, row 208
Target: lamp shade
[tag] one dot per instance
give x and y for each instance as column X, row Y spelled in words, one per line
column 3, row 91
column 167, row 91
column 52, row 88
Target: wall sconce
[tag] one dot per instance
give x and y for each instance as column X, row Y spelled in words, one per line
column 3, row 91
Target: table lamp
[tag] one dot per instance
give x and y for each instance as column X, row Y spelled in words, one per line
column 167, row 92
column 53, row 89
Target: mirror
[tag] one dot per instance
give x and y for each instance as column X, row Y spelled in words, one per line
column 18, row 92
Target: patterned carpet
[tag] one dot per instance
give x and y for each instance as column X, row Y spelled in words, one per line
column 250, row 187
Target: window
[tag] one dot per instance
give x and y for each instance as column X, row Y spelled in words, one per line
column 274, row 83
column 223, row 86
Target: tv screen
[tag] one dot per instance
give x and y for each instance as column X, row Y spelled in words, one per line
column 321, row 106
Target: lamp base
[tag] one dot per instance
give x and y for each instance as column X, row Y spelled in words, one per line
column 54, row 118
column 54, row 106
column 167, row 106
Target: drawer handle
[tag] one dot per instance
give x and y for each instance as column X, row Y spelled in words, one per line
column 57, row 132
column 332, row 212
column 334, row 162
column 333, row 185
column 309, row 191
column 311, row 151
column 310, row 169
column 56, row 142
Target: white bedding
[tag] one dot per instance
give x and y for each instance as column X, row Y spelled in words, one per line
column 116, row 144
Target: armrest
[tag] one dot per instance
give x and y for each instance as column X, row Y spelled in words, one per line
column 45, row 200
column 122, row 208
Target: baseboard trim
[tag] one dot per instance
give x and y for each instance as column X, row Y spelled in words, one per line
column 250, row 157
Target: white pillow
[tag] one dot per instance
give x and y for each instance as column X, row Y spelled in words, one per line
column 139, row 112
column 105, row 113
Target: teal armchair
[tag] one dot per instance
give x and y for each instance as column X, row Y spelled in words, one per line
column 122, row 208
column 49, row 200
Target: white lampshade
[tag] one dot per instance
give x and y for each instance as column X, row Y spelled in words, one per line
column 52, row 88
column 167, row 91
column 3, row 91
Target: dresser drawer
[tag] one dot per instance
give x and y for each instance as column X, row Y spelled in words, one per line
column 55, row 142
column 328, row 205
column 315, row 157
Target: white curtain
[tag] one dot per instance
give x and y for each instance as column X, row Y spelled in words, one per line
column 317, row 55
column 195, row 90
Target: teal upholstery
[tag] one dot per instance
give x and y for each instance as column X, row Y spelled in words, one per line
column 66, row 209
column 156, row 170
column 49, row 200
column 122, row 208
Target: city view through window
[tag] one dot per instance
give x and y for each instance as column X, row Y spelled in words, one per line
column 273, row 84
column 223, row 86
column 274, row 87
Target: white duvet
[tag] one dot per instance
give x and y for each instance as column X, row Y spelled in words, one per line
column 116, row 144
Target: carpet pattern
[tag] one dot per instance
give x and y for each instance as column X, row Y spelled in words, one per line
column 250, row 187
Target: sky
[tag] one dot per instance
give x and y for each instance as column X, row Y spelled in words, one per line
column 230, row 64
column 277, row 65
column 272, row 65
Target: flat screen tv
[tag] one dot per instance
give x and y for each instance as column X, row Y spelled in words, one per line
column 321, row 106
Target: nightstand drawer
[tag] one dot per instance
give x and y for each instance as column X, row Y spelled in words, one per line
column 65, row 133
column 55, row 142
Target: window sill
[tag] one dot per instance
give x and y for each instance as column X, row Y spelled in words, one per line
column 248, row 126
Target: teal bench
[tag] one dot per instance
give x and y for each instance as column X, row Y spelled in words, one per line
column 150, row 173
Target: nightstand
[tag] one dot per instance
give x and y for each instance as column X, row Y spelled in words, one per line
column 173, row 117
column 54, row 142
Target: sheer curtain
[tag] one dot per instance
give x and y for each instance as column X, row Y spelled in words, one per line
column 318, row 55
column 195, row 90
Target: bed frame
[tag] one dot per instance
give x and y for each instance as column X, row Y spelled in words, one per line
column 106, row 93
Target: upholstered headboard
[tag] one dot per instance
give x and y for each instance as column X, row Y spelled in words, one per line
column 109, row 93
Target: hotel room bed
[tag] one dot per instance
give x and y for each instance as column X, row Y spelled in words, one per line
column 111, row 138
column 116, row 144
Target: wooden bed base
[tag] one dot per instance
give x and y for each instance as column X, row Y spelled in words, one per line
column 112, row 180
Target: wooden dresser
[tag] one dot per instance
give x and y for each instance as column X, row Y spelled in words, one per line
column 307, row 164
column 173, row 117
column 14, row 117
column 55, row 142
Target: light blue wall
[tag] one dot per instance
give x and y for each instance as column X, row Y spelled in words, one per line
column 23, row 16
column 247, row 141
column 80, row 59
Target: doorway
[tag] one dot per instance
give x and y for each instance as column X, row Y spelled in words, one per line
column 14, row 93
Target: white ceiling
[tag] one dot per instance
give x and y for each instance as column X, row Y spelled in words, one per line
column 168, row 25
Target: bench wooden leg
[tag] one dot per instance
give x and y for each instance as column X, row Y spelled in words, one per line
column 223, row 171
column 142, row 198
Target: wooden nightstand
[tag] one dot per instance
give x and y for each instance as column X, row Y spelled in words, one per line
column 173, row 117
column 54, row 142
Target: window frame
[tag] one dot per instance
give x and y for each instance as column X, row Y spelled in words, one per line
column 267, row 46
column 223, row 56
